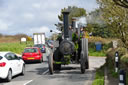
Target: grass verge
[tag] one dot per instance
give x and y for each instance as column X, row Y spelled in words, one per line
column 92, row 52
column 99, row 77
column 14, row 47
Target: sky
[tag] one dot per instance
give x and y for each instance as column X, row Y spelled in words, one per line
column 30, row 16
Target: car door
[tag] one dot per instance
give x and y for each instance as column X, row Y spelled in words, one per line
column 18, row 65
column 12, row 63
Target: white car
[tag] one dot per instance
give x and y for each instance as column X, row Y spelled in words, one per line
column 10, row 65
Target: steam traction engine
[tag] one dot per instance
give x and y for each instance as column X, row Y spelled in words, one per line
column 65, row 52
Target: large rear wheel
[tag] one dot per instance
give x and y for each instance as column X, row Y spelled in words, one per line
column 50, row 63
column 57, row 66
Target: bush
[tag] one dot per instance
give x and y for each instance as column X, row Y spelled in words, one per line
column 125, row 58
column 110, row 53
column 93, row 52
column 106, row 46
column 91, row 45
column 29, row 38
column 122, row 51
column 99, row 39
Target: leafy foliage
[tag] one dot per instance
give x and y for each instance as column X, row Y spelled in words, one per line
column 116, row 18
column 99, row 30
column 74, row 12
column 97, row 25
column 123, row 3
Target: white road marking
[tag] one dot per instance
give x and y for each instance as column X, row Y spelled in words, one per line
column 46, row 72
column 28, row 82
column 18, row 82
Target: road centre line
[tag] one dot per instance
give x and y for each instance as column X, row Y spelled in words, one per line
column 46, row 72
column 28, row 82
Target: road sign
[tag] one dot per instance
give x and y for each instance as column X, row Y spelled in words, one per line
column 23, row 39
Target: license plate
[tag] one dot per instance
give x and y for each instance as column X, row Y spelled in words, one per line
column 30, row 58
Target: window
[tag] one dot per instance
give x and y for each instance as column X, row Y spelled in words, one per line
column 30, row 50
column 1, row 57
column 39, row 45
column 14, row 57
column 8, row 56
column 11, row 56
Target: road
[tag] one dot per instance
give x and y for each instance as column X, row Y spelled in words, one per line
column 37, row 74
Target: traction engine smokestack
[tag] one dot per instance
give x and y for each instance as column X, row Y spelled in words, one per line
column 66, row 24
column 73, row 23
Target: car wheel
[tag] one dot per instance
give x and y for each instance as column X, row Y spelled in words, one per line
column 23, row 70
column 9, row 77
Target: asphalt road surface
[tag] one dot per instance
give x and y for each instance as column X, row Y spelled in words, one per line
column 38, row 74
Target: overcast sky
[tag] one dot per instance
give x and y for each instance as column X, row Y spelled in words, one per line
column 28, row 16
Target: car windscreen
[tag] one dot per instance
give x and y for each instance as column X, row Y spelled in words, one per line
column 39, row 46
column 1, row 57
column 30, row 50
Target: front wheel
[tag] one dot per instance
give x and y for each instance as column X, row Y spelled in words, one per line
column 9, row 77
column 23, row 70
column 87, row 65
column 82, row 62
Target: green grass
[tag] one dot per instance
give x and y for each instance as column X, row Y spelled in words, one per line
column 111, row 68
column 14, row 47
column 99, row 77
column 93, row 52
column 98, row 82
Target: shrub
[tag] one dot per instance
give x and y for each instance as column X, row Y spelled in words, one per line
column 122, row 51
column 29, row 38
column 106, row 46
column 125, row 58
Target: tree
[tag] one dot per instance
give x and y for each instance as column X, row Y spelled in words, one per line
column 97, row 25
column 74, row 12
column 116, row 18
column 94, row 17
column 122, row 3
column 99, row 30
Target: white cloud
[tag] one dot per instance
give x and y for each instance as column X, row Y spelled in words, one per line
column 41, row 29
column 37, row 5
column 28, row 16
column 35, row 15
column 3, row 26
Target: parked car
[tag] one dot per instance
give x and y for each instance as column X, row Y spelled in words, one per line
column 42, row 47
column 32, row 54
column 10, row 65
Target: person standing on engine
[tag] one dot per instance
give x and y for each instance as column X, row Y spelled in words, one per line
column 70, row 33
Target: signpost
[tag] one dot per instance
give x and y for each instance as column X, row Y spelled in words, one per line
column 116, row 62
column 23, row 39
